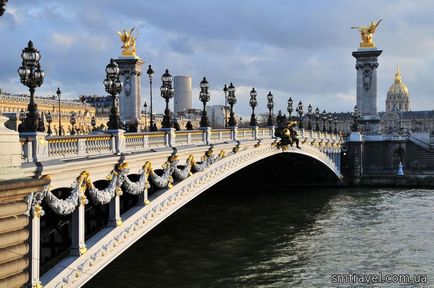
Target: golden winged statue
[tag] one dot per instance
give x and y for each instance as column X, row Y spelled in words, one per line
column 367, row 32
column 129, row 42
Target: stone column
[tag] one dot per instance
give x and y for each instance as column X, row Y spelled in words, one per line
column 15, row 253
column 355, row 158
column 129, row 99
column 366, row 66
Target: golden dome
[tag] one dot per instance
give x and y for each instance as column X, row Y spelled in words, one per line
column 398, row 89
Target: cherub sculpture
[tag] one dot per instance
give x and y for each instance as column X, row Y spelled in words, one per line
column 366, row 32
column 129, row 42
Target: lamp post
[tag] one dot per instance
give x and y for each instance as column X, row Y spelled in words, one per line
column 2, row 6
column 335, row 121
column 225, row 90
column 167, row 93
column 232, row 100
column 270, row 106
column 113, row 86
column 204, row 97
column 73, row 120
column 31, row 76
column 49, row 120
column 59, row 94
column 300, row 114
column 356, row 116
column 150, row 73
column 290, row 108
column 324, row 119
column 330, row 119
column 253, row 102
column 317, row 119
column 93, row 123
column 146, row 111
column 309, row 115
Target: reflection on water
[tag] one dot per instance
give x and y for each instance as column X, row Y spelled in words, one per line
column 294, row 238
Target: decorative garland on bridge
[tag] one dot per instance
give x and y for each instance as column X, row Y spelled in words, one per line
column 119, row 182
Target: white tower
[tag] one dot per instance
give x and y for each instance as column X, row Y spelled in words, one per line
column 182, row 96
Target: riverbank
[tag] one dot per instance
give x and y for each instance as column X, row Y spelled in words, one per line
column 414, row 181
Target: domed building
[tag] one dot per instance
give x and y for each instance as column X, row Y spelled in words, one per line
column 398, row 118
column 397, row 96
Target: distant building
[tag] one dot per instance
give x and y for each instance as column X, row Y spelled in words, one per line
column 102, row 104
column 182, row 94
column 11, row 106
column 397, row 96
column 398, row 118
column 217, row 115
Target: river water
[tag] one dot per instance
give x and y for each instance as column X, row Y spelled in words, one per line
column 284, row 237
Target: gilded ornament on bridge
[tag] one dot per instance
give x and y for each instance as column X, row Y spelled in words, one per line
column 367, row 32
column 129, row 42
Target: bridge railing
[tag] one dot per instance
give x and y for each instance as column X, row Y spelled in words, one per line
column 39, row 147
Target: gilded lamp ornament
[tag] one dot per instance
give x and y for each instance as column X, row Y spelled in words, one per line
column 366, row 32
column 129, row 42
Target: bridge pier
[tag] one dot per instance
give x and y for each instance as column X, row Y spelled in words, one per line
column 355, row 153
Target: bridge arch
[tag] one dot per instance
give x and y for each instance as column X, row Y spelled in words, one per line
column 108, row 243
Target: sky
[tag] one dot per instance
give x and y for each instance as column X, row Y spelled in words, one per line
column 297, row 49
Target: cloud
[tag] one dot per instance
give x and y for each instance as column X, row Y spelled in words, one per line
column 62, row 41
column 298, row 49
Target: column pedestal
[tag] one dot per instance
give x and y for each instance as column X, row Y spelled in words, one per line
column 366, row 66
column 129, row 99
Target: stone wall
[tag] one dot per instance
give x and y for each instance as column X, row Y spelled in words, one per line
column 14, row 231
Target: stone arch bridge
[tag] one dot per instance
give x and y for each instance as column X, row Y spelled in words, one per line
column 92, row 175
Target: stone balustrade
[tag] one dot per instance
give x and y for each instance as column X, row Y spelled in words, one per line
column 36, row 148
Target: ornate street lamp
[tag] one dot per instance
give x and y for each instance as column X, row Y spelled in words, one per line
column 146, row 111
column 324, row 119
column 335, row 121
column 290, row 108
column 253, row 102
column 93, row 123
column 225, row 90
column 31, row 76
column 204, row 97
column 270, row 106
column 167, row 93
column 330, row 119
column 317, row 119
column 49, row 120
column 59, row 94
column 150, row 73
column 300, row 114
column 73, row 120
column 113, row 86
column 2, row 6
column 356, row 116
column 232, row 100
column 309, row 115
